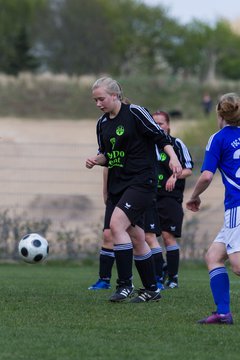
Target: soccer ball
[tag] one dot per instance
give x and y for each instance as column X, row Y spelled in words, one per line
column 33, row 248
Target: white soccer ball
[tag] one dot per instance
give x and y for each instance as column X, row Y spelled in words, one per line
column 33, row 248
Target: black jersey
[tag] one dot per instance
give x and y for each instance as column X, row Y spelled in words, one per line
column 164, row 171
column 128, row 142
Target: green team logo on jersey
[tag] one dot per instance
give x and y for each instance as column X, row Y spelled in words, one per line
column 120, row 130
column 113, row 142
column 163, row 156
column 160, row 179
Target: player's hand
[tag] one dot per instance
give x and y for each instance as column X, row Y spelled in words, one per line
column 175, row 166
column 99, row 159
column 193, row 204
column 170, row 184
column 91, row 162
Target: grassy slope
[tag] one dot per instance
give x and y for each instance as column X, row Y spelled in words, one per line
column 60, row 96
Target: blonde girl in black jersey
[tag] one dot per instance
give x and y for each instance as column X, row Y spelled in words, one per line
column 126, row 137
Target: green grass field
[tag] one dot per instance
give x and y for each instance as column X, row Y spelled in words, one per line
column 48, row 313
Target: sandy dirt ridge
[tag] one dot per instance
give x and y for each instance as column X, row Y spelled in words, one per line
column 43, row 174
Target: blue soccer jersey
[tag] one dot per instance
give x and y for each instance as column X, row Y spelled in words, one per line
column 223, row 153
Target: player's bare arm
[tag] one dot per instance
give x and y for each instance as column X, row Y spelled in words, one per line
column 202, row 184
column 99, row 159
column 185, row 174
column 174, row 163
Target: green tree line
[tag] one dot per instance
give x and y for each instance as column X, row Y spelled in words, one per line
column 112, row 36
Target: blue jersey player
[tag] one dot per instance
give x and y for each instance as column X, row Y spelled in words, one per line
column 223, row 153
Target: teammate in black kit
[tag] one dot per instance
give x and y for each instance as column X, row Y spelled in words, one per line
column 170, row 198
column 126, row 136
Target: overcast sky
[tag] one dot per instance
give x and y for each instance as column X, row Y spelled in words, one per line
column 206, row 10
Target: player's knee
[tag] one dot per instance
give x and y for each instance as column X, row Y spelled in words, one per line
column 114, row 228
column 236, row 269
column 210, row 258
column 107, row 237
column 151, row 240
column 169, row 239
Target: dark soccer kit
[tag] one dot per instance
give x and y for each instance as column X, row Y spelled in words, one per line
column 169, row 203
column 128, row 142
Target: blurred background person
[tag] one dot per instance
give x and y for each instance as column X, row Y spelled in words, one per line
column 207, row 104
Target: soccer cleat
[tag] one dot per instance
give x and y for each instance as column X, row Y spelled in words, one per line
column 122, row 293
column 215, row 318
column 160, row 283
column 146, row 296
column 172, row 283
column 100, row 285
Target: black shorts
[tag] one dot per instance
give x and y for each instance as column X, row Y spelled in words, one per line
column 133, row 202
column 170, row 212
column 151, row 220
